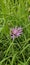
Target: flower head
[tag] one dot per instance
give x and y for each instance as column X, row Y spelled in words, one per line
column 16, row 32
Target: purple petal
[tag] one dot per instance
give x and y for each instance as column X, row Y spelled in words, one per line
column 14, row 31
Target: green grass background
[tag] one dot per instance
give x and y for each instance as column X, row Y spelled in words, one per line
column 14, row 13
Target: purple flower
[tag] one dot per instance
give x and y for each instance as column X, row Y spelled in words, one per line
column 16, row 32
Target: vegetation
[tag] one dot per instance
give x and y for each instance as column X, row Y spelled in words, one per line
column 14, row 13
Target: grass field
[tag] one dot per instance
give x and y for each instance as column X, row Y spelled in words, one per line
column 14, row 13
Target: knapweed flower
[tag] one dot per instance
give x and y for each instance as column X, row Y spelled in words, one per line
column 16, row 32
